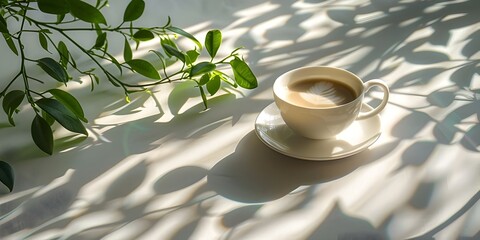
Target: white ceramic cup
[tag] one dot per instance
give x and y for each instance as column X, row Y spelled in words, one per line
column 324, row 122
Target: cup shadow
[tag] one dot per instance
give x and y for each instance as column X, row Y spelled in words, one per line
column 255, row 173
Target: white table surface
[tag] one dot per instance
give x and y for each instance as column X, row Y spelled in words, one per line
column 161, row 168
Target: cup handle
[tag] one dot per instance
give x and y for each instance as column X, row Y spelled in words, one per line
column 386, row 93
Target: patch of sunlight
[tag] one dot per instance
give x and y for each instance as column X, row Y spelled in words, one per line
column 17, row 195
column 371, row 16
column 355, row 31
column 397, row 8
column 229, row 41
column 391, row 63
column 281, row 60
column 402, row 223
column 288, row 225
column 422, row 33
column 475, row 83
column 301, row 204
column 95, row 190
column 207, row 128
column 314, row 34
column 382, row 201
column 409, row 22
column 169, row 225
column 331, row 44
column 98, row 133
column 221, row 206
column 351, row 56
column 278, row 44
column 55, row 183
column 434, row 8
column 373, row 31
column 136, row 114
column 257, row 10
column 130, row 230
column 92, row 220
column 453, row 16
column 170, row 201
column 258, row 31
column 443, row 159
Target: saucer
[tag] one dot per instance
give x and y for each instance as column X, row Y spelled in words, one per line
column 273, row 131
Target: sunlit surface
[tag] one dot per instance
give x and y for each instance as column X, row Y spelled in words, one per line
column 162, row 168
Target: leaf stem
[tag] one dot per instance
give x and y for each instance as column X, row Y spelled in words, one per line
column 10, row 84
column 23, row 70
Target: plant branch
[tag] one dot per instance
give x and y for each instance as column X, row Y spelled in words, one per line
column 57, row 105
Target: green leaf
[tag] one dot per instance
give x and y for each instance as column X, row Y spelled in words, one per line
column 127, row 51
column 161, row 57
column 114, row 61
column 213, row 85
column 6, row 175
column 11, row 102
column 43, row 40
column 204, row 97
column 144, row 68
column 134, row 10
column 54, row 69
column 50, row 120
column 185, row 34
column 42, row 134
column 98, row 29
column 168, row 41
column 86, row 12
column 3, row 25
column 224, row 77
column 70, row 102
column 191, row 56
column 62, row 115
column 243, row 74
column 72, row 60
column 101, row 3
column 58, row 7
column 213, row 40
column 10, row 43
column 143, row 35
column 173, row 52
column 201, row 68
column 100, row 41
column 64, row 54
column 204, row 79
column 60, row 18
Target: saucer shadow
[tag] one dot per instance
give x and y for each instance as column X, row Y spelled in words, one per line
column 255, row 173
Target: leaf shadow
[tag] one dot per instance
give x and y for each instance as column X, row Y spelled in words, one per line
column 179, row 178
column 417, row 154
column 334, row 226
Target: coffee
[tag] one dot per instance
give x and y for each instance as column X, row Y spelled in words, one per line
column 320, row 92
column 319, row 102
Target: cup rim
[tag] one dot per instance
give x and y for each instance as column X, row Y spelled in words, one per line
column 276, row 85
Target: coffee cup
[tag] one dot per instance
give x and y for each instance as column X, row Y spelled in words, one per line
column 319, row 102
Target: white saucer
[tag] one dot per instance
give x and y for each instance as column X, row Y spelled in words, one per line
column 273, row 131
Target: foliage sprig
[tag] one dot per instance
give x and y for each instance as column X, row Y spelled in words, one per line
column 56, row 105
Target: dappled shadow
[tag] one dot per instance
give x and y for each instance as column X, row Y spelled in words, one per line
column 254, row 173
column 333, row 227
column 162, row 166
